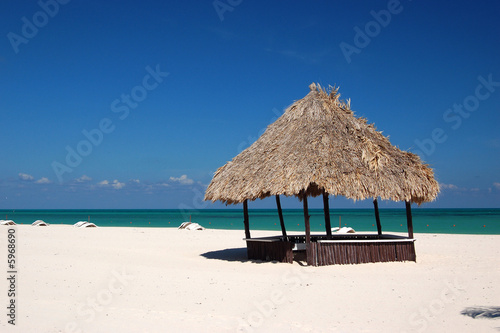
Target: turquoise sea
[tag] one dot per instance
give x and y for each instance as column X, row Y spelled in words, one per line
column 450, row 221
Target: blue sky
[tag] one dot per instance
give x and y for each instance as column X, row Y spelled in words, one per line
column 128, row 104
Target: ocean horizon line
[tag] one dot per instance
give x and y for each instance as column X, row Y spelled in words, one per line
column 234, row 209
column 425, row 220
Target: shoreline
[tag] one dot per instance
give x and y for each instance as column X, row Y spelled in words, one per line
column 242, row 230
column 469, row 221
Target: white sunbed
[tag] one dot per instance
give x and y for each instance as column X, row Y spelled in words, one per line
column 344, row 230
column 84, row 224
column 7, row 222
column 39, row 223
column 191, row 226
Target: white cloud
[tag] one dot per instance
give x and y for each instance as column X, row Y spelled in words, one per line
column 448, row 186
column 25, row 176
column 117, row 185
column 83, row 179
column 137, row 181
column 496, row 185
column 114, row 184
column 43, row 180
column 184, row 180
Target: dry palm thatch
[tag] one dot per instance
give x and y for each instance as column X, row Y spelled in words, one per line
column 318, row 144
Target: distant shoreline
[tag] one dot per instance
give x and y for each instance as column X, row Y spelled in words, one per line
column 425, row 220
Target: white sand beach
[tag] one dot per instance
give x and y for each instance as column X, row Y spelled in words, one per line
column 169, row 280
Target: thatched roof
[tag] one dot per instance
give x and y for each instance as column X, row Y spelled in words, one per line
column 319, row 144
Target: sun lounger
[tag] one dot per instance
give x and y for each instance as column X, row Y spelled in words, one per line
column 343, row 230
column 39, row 223
column 191, row 226
column 85, row 224
column 346, row 230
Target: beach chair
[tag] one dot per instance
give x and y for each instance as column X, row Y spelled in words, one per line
column 84, row 224
column 190, row 226
column 39, row 223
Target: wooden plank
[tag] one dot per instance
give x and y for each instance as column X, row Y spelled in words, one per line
column 311, row 254
column 375, row 241
column 376, row 253
column 364, row 252
column 391, row 250
column 266, row 240
column 326, row 249
column 331, row 260
column 336, row 254
column 266, row 251
column 319, row 254
column 344, row 254
column 406, row 251
column 333, row 257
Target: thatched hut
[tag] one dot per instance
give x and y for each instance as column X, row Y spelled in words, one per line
column 318, row 147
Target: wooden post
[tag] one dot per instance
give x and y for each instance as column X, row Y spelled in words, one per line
column 306, row 218
column 377, row 217
column 282, row 221
column 326, row 207
column 245, row 217
column 409, row 219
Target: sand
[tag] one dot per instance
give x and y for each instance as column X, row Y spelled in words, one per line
column 169, row 280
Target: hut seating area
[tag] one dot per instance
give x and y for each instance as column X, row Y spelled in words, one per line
column 340, row 249
column 319, row 148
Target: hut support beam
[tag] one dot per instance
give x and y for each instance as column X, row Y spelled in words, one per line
column 245, row 219
column 326, row 207
column 306, row 218
column 282, row 221
column 409, row 219
column 377, row 217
